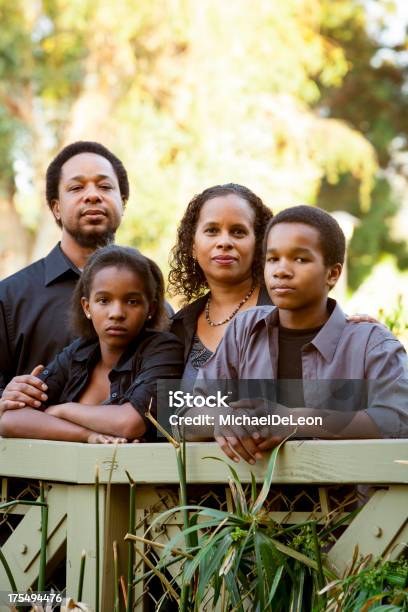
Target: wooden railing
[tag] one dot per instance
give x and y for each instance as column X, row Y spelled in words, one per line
column 380, row 528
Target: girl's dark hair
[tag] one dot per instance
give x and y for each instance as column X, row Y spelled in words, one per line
column 186, row 277
column 120, row 257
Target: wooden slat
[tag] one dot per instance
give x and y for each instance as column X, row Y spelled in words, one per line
column 375, row 527
column 312, row 462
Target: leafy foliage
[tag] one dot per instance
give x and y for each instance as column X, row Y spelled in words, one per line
column 242, row 559
column 372, row 98
column 170, row 87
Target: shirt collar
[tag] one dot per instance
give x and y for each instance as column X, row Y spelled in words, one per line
column 89, row 351
column 127, row 361
column 57, row 264
column 327, row 339
column 191, row 311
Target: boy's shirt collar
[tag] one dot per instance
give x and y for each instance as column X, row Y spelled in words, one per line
column 327, row 339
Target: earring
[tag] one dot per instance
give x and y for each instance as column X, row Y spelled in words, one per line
column 89, row 316
column 194, row 266
column 149, row 317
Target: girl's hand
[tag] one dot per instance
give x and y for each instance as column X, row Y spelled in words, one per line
column 54, row 410
column 9, row 405
column 27, row 390
column 361, row 318
column 99, row 438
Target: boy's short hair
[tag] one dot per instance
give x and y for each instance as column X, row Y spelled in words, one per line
column 331, row 236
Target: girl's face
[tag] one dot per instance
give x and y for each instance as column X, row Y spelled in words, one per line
column 224, row 240
column 117, row 305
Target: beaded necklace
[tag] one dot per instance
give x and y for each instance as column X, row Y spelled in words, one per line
column 232, row 315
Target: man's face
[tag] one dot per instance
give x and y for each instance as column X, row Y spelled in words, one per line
column 89, row 204
column 296, row 275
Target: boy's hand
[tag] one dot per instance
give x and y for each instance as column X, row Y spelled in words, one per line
column 238, row 440
column 235, row 448
column 27, row 389
column 270, row 443
column 250, row 441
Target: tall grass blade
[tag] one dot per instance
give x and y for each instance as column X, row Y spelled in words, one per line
column 233, row 592
column 237, row 482
column 260, row 573
column 22, row 502
column 320, row 575
column 131, row 550
column 159, row 566
column 263, row 494
column 275, row 584
column 44, row 535
column 81, row 576
column 253, row 489
column 97, row 539
column 296, row 597
column 116, row 602
column 160, row 575
column 8, row 572
column 295, row 554
column 107, row 516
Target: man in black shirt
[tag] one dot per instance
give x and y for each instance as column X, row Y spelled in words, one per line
column 86, row 188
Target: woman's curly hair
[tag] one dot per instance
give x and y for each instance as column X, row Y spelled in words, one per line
column 186, row 277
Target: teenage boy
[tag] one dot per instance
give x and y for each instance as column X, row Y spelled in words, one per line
column 306, row 336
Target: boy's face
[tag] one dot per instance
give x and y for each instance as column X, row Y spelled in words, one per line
column 296, row 276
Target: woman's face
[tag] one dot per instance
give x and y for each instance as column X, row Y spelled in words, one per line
column 117, row 305
column 224, row 240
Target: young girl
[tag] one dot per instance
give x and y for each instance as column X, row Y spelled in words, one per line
column 98, row 389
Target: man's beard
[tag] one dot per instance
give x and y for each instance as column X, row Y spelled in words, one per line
column 92, row 240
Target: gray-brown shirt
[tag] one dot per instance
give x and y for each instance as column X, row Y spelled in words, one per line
column 347, row 366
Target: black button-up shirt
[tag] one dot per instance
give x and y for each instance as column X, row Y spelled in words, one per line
column 151, row 356
column 34, row 306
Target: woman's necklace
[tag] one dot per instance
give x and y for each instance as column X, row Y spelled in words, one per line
column 242, row 302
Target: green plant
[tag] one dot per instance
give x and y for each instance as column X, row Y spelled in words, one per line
column 380, row 586
column 396, row 320
column 243, row 559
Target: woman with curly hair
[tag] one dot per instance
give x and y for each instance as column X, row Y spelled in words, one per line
column 217, row 265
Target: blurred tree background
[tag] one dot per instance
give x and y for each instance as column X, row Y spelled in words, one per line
column 302, row 101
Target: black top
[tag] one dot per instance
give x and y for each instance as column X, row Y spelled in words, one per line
column 34, row 305
column 151, row 356
column 34, row 314
column 290, row 383
column 184, row 322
